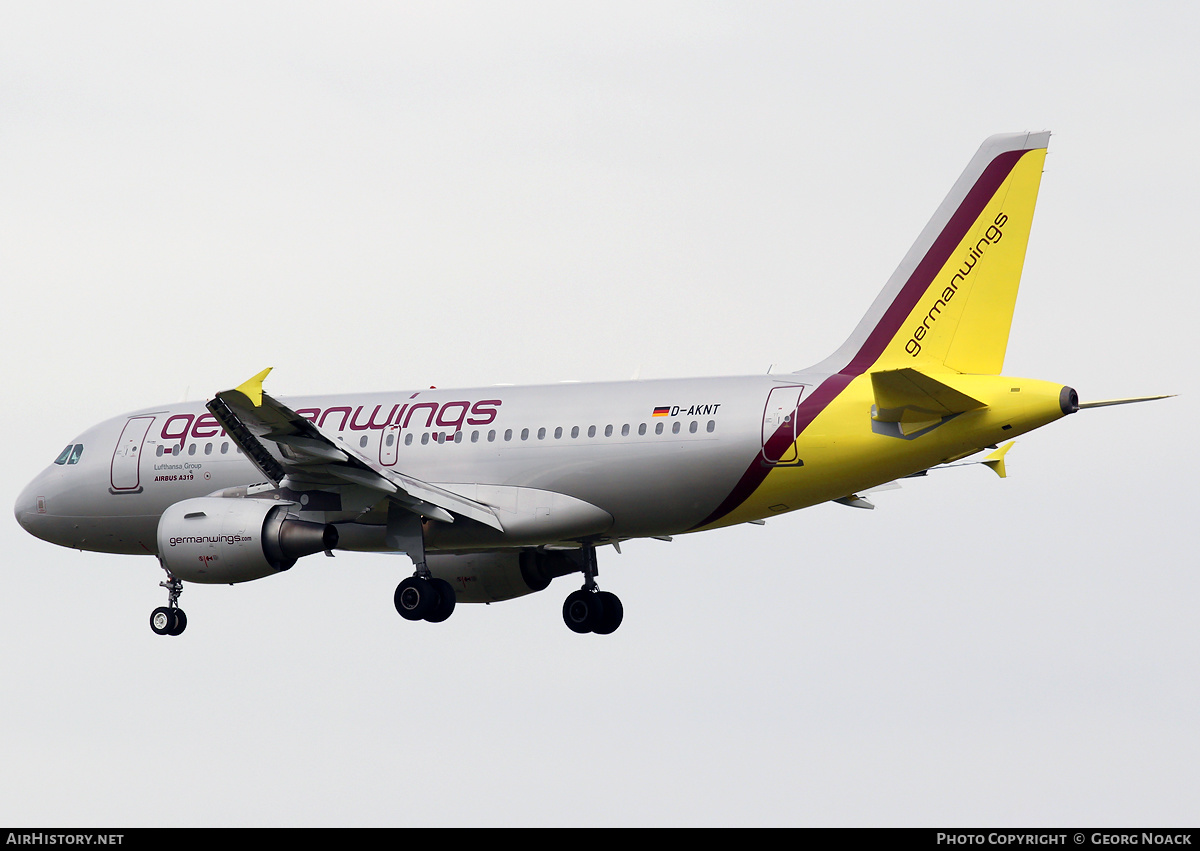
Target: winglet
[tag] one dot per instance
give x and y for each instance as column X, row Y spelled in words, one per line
column 996, row 459
column 253, row 389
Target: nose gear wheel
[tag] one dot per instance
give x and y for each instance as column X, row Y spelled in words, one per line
column 169, row 619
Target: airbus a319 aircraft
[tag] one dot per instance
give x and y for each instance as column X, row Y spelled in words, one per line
column 494, row 492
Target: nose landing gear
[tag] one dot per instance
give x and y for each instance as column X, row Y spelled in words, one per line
column 169, row 619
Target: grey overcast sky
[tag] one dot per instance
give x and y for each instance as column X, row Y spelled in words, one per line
column 370, row 196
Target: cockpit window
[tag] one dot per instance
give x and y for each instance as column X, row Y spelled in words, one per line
column 70, row 455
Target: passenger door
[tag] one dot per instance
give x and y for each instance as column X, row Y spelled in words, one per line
column 779, row 425
column 125, row 473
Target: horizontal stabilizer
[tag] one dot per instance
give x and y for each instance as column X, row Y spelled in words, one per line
column 996, row 460
column 856, row 501
column 907, row 395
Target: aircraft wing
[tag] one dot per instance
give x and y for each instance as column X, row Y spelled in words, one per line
column 312, row 455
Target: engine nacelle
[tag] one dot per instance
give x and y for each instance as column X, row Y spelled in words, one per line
column 491, row 577
column 220, row 541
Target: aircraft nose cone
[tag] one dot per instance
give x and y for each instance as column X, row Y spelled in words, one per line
column 26, row 507
column 31, row 508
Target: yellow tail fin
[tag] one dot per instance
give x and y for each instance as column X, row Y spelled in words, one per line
column 950, row 302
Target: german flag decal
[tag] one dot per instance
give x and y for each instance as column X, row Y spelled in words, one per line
column 662, row 412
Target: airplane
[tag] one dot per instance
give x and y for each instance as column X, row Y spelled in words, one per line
column 495, row 492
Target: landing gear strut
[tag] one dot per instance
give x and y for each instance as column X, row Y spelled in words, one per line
column 169, row 619
column 589, row 609
column 420, row 597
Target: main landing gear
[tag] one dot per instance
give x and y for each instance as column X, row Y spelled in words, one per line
column 589, row 609
column 424, row 597
column 169, row 619
column 421, row 597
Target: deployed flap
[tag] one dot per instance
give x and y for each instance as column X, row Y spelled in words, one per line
column 903, row 395
column 309, row 453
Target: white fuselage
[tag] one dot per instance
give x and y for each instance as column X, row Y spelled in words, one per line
column 657, row 457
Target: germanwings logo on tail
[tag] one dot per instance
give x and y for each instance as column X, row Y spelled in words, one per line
column 992, row 235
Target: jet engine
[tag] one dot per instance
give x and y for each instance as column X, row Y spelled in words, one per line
column 221, row 541
column 491, row 577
